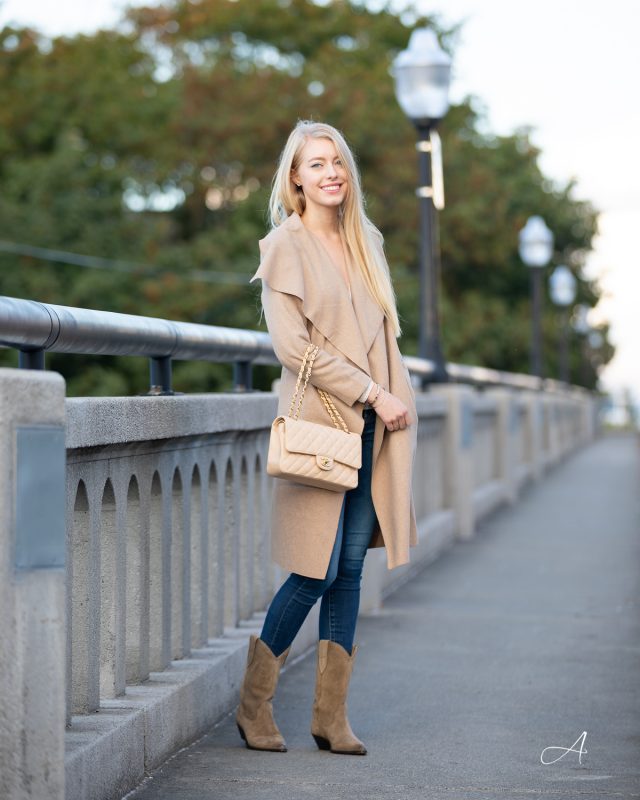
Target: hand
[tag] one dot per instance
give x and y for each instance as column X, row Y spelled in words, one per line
column 392, row 411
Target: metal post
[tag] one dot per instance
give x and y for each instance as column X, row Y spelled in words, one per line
column 584, row 362
column 31, row 359
column 160, row 375
column 429, row 344
column 564, row 346
column 536, row 315
column 242, row 376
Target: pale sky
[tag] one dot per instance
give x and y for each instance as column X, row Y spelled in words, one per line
column 566, row 67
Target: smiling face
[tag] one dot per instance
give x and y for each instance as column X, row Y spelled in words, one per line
column 321, row 174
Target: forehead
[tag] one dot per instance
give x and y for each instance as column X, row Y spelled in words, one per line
column 318, row 148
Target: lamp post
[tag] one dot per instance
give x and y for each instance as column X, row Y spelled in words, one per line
column 536, row 249
column 581, row 326
column 422, row 74
column 562, row 287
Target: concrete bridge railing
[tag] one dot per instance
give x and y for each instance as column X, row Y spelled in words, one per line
column 128, row 596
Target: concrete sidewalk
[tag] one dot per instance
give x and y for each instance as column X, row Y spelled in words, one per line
column 518, row 640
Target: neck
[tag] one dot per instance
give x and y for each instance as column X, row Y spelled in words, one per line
column 322, row 219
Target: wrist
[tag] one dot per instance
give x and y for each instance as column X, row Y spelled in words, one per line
column 379, row 399
column 375, row 389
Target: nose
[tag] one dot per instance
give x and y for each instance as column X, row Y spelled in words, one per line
column 331, row 171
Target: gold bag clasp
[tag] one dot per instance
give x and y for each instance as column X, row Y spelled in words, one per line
column 324, row 462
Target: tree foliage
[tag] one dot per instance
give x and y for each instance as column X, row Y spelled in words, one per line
column 153, row 145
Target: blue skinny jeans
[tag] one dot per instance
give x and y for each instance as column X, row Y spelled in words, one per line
column 340, row 588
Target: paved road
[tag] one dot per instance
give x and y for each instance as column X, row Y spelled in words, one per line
column 518, row 640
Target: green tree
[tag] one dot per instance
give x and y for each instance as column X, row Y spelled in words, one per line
column 154, row 145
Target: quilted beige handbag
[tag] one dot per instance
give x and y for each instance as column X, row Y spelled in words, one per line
column 309, row 453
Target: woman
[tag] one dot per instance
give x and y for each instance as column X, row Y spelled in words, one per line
column 325, row 282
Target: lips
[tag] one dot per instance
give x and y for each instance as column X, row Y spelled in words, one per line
column 331, row 187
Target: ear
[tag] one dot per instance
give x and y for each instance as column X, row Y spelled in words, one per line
column 295, row 178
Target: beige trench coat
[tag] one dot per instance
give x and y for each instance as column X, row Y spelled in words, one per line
column 305, row 299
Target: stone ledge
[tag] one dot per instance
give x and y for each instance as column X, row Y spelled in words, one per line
column 96, row 421
column 100, row 421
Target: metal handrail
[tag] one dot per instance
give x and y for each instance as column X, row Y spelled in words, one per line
column 35, row 328
column 485, row 376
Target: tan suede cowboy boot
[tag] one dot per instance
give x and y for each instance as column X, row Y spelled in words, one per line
column 255, row 712
column 329, row 725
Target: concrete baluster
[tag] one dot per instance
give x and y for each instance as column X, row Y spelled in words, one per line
column 231, row 548
column 216, row 581
column 137, row 617
column 108, row 592
column 177, row 565
column 260, row 535
column 85, row 602
column 534, row 423
column 157, row 658
column 245, row 534
column 507, row 432
column 198, row 560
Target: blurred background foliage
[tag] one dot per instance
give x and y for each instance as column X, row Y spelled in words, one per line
column 152, row 147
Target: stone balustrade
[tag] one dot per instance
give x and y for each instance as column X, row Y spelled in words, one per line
column 167, row 567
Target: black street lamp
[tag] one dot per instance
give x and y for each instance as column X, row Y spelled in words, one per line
column 536, row 249
column 562, row 287
column 581, row 326
column 422, row 74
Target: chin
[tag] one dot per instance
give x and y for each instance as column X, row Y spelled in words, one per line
column 332, row 201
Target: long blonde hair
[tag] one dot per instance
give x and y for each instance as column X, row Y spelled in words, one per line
column 358, row 230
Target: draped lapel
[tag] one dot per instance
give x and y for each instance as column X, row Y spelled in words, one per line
column 351, row 325
column 367, row 311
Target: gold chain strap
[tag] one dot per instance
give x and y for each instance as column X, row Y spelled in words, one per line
column 300, row 372
column 335, row 415
column 310, row 353
column 312, row 356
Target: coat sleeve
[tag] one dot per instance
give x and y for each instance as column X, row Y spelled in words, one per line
column 282, row 301
column 290, row 338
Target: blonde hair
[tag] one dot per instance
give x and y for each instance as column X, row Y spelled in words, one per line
column 358, row 231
